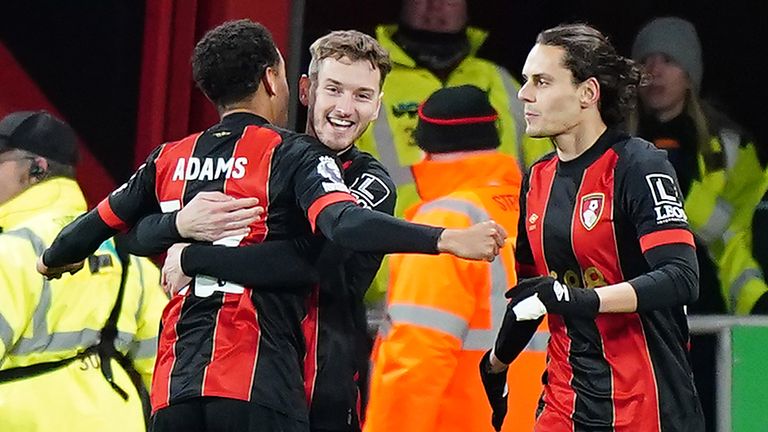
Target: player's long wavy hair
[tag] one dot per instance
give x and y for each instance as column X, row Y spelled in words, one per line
column 589, row 53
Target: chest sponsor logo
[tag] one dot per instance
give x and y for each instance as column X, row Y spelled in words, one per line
column 329, row 169
column 590, row 209
column 667, row 204
column 209, row 168
column 369, row 190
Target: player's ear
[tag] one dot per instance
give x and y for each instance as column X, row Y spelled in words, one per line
column 304, row 88
column 589, row 92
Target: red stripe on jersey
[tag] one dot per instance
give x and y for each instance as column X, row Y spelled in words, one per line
column 170, row 169
column 625, row 348
column 541, row 179
column 323, row 202
column 166, row 354
column 310, row 327
column 236, row 340
column 559, row 397
column 109, row 217
column 254, row 150
column 665, row 237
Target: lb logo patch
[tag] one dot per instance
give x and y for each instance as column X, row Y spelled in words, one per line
column 591, row 209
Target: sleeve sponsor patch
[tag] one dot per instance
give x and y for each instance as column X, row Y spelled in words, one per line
column 667, row 202
column 369, row 190
column 328, row 168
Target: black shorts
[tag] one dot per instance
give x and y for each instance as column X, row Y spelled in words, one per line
column 212, row 414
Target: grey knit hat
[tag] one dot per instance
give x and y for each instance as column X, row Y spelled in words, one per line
column 676, row 38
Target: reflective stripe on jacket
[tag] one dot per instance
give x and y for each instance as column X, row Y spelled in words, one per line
column 44, row 321
column 719, row 206
column 444, row 312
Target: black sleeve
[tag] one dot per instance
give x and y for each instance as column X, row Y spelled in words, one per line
column 322, row 194
column 364, row 230
column 117, row 212
column 672, row 281
column 524, row 263
column 78, row 240
column 374, row 189
column 513, row 337
column 153, row 235
column 650, row 194
column 273, row 263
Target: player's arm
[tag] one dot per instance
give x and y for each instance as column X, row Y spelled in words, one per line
column 650, row 198
column 278, row 263
column 332, row 209
column 209, row 216
column 376, row 190
column 115, row 213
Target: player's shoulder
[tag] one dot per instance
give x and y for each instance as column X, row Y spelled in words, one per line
column 634, row 152
column 364, row 162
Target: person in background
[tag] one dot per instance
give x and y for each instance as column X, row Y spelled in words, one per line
column 433, row 47
column 76, row 353
column 722, row 172
column 443, row 312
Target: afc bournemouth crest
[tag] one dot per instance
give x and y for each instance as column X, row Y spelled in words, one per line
column 591, row 209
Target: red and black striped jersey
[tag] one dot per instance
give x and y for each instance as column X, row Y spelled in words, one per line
column 219, row 338
column 588, row 222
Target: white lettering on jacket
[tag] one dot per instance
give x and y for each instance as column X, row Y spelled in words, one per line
column 209, row 168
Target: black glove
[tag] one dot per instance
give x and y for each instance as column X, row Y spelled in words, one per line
column 495, row 385
column 560, row 299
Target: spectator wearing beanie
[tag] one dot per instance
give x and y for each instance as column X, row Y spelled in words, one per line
column 441, row 309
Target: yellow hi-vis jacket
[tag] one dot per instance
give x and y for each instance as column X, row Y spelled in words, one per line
column 719, row 205
column 45, row 321
column 390, row 140
column 443, row 312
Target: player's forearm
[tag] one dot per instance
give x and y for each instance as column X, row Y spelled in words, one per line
column 619, row 298
column 270, row 264
column 672, row 282
column 363, row 230
column 153, row 235
column 78, row 240
column 673, row 279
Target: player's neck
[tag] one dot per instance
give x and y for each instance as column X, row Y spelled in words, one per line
column 578, row 140
column 258, row 104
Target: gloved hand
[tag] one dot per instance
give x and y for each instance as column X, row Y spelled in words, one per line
column 558, row 298
column 495, row 385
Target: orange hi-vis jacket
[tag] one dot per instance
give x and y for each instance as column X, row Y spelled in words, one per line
column 444, row 312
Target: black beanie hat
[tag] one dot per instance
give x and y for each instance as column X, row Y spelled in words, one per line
column 40, row 133
column 457, row 119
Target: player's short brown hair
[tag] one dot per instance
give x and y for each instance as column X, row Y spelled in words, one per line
column 354, row 45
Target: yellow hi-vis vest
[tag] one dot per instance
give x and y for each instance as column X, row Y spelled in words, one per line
column 46, row 321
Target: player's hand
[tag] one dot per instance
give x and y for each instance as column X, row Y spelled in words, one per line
column 173, row 277
column 481, row 241
column 561, row 299
column 494, row 380
column 56, row 272
column 211, row 216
